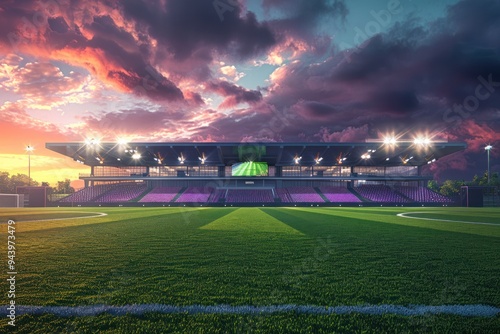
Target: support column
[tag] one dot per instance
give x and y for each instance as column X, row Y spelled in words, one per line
column 222, row 171
column 278, row 171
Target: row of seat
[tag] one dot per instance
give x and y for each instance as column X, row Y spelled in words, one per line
column 115, row 193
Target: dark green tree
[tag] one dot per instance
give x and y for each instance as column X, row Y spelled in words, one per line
column 64, row 187
column 5, row 187
column 433, row 185
column 451, row 188
column 21, row 180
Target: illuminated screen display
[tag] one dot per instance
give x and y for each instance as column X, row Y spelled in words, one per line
column 250, row 169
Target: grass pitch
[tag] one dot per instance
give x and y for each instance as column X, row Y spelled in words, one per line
column 255, row 256
column 250, row 169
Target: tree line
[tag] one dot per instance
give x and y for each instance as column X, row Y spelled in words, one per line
column 451, row 188
column 9, row 183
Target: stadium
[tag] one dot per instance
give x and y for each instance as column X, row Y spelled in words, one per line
column 253, row 237
column 243, row 166
column 274, row 174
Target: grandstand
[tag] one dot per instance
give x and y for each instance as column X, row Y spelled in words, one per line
column 271, row 174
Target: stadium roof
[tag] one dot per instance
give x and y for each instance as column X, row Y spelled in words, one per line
column 408, row 153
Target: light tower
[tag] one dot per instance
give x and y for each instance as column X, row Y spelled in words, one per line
column 488, row 149
column 29, row 149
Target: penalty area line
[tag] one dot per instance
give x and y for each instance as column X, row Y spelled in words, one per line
column 477, row 310
column 404, row 215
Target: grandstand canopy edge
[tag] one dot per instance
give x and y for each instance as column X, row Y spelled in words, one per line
column 277, row 155
column 274, row 154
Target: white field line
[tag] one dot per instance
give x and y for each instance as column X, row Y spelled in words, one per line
column 97, row 214
column 404, row 215
column 138, row 309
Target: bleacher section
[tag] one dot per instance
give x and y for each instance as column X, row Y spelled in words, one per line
column 217, row 196
column 249, row 196
column 284, row 195
column 195, row 195
column 161, row 195
column 87, row 194
column 380, row 193
column 132, row 192
column 122, row 193
column 339, row 195
column 304, row 195
column 422, row 194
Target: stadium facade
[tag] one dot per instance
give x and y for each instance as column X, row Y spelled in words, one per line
column 318, row 174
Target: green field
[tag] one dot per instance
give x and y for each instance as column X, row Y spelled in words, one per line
column 254, row 256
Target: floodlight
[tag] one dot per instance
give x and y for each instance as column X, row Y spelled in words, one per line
column 122, row 141
column 390, row 140
column 422, row 141
column 29, row 149
column 136, row 156
column 92, row 141
column 488, row 149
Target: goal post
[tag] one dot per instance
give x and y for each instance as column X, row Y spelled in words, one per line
column 11, row 200
column 479, row 196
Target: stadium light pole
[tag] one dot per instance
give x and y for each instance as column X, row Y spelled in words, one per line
column 488, row 149
column 29, row 149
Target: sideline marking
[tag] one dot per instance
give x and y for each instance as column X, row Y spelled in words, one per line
column 441, row 220
column 139, row 309
column 97, row 214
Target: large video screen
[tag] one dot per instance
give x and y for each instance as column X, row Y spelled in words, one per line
column 250, row 169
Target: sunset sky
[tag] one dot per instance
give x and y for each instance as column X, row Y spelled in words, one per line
column 236, row 70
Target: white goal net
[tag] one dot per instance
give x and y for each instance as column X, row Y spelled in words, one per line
column 11, row 200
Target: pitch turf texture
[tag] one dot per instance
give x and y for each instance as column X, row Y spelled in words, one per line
column 250, row 169
column 254, row 256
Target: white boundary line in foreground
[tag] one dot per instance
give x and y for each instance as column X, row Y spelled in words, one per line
column 138, row 309
column 441, row 220
column 97, row 214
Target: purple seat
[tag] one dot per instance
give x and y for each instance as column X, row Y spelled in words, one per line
column 339, row 195
column 304, row 195
column 161, row 195
column 249, row 196
column 380, row 193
